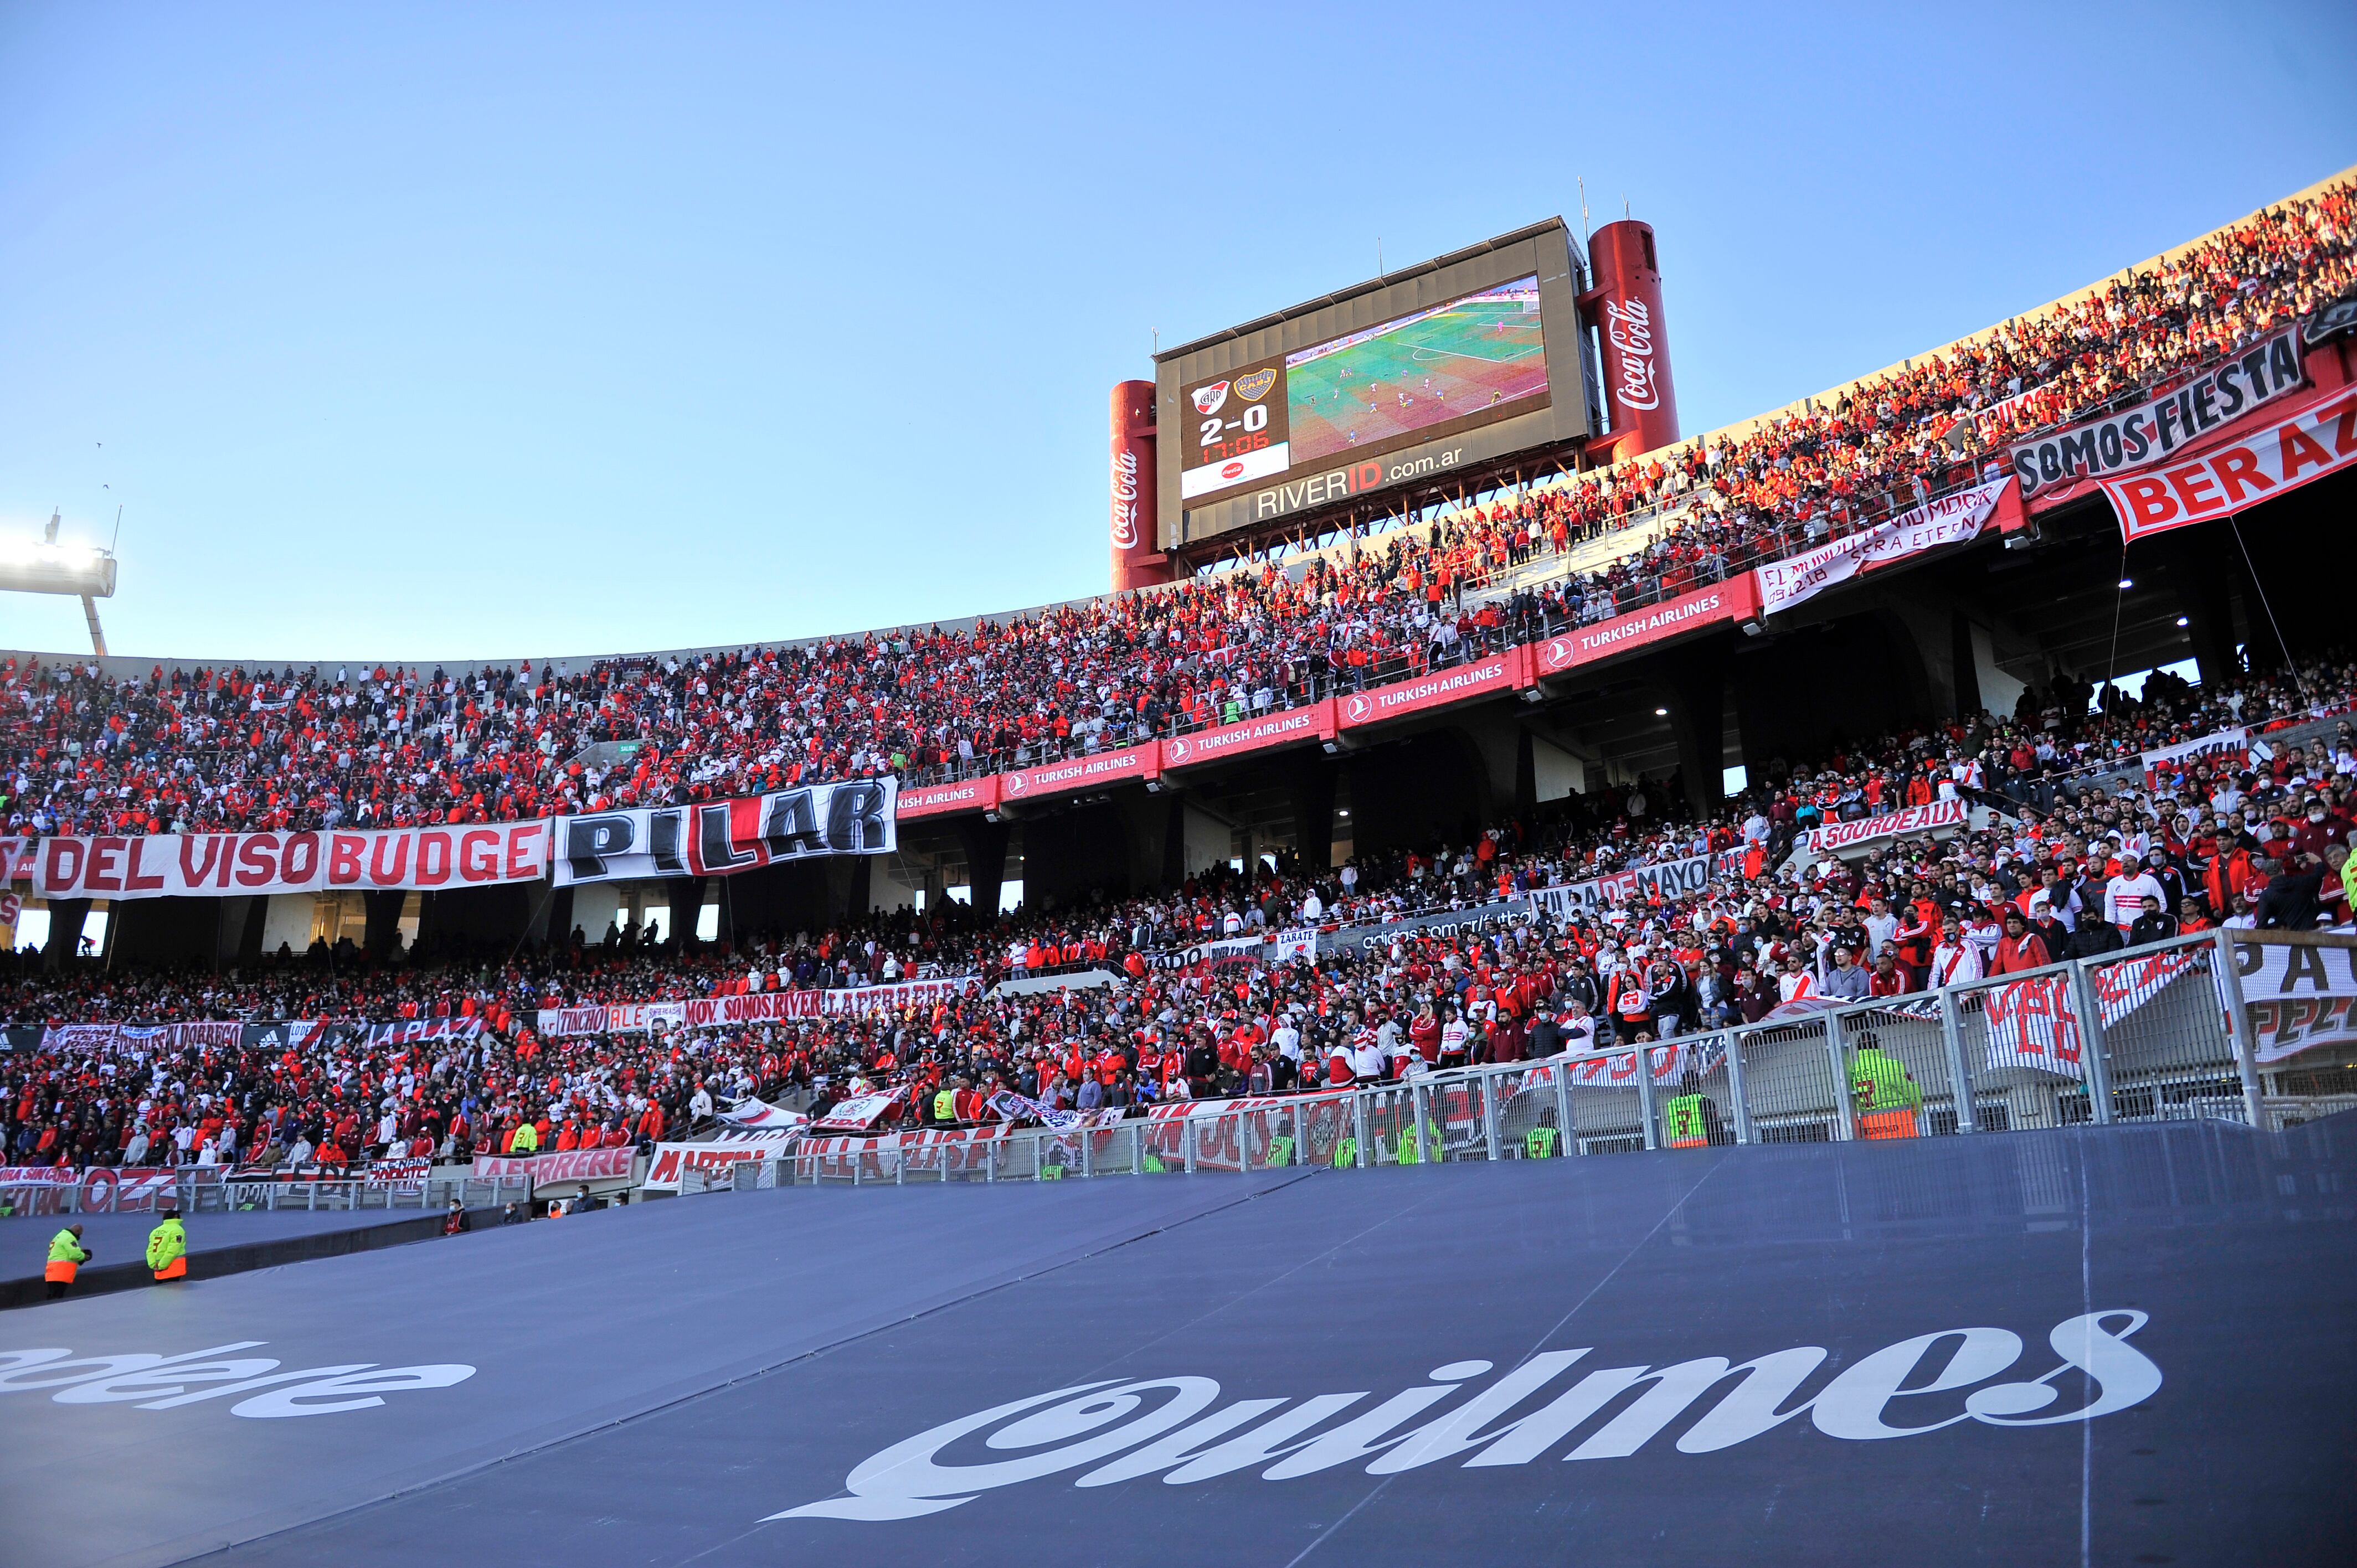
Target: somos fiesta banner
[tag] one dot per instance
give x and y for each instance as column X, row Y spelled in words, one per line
column 1934, row 525
column 719, row 838
column 171, row 865
column 2233, row 475
column 2150, row 431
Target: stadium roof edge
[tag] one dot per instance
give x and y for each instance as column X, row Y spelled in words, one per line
column 1743, row 427
column 139, row 664
column 1276, row 318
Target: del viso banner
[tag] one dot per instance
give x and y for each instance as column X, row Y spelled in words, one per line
column 168, row 865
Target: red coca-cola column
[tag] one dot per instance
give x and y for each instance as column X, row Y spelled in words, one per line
column 1136, row 561
column 1623, row 304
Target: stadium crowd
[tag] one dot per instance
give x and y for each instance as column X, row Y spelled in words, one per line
column 2064, row 870
column 214, row 750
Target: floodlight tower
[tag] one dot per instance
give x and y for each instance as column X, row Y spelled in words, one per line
column 45, row 567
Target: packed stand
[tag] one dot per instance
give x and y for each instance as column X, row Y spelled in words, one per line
column 2069, row 871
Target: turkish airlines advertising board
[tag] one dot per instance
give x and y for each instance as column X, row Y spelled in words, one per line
column 1729, row 601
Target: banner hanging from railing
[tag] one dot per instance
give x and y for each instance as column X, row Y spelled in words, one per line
column 2151, row 430
column 1671, row 879
column 674, row 1160
column 1834, row 837
column 1936, row 525
column 720, row 838
column 2298, row 996
column 213, row 865
column 2232, row 476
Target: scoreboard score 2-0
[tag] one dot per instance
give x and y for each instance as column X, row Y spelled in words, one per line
column 1236, row 432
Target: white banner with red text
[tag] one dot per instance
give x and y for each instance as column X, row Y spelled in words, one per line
column 2232, row 476
column 2227, row 744
column 751, row 1007
column 178, row 865
column 674, row 1160
column 1668, row 881
column 564, row 1164
column 1238, row 1134
column 1834, row 837
column 720, row 838
column 2298, row 995
column 1949, row 520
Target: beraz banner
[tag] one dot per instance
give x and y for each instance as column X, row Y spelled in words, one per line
column 2153, row 429
column 2316, row 439
column 719, row 838
column 173, row 865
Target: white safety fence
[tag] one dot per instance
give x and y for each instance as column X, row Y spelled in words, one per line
column 2158, row 1033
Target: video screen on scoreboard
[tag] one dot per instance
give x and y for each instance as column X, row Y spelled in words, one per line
column 1479, row 356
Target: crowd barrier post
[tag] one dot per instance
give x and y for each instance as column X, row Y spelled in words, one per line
column 2092, row 1055
column 2238, row 1030
column 1490, row 1115
column 1361, row 1155
column 1952, row 1041
column 1430, row 1147
column 1187, row 1140
column 1837, row 1051
column 1566, row 1136
column 1088, row 1163
column 1731, row 1045
column 1645, row 1112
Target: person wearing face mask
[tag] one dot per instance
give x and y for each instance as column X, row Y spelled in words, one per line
column 2314, row 833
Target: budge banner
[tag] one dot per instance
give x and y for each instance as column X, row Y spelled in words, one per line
column 2153, row 429
column 718, row 838
column 170, row 866
column 2230, row 475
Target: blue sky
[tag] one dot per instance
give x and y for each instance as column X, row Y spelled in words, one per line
column 456, row 332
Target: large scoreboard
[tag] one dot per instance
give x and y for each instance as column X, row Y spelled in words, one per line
column 1458, row 362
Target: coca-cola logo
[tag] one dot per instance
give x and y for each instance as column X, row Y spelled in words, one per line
column 1113, row 1432
column 1628, row 327
column 1125, row 499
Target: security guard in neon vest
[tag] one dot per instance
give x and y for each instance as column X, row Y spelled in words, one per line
column 1887, row 1095
column 1412, row 1145
column 1542, row 1141
column 67, row 1255
column 1280, row 1148
column 168, row 1249
column 1346, row 1154
column 946, row 1105
column 1685, row 1120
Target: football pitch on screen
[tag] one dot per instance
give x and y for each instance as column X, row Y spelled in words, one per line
column 1477, row 355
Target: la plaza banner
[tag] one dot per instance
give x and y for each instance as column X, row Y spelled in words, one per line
column 170, row 866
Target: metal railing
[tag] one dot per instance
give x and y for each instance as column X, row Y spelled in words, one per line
column 208, row 1192
column 2158, row 1033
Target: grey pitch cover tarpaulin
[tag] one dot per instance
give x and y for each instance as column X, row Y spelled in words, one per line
column 2109, row 1345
